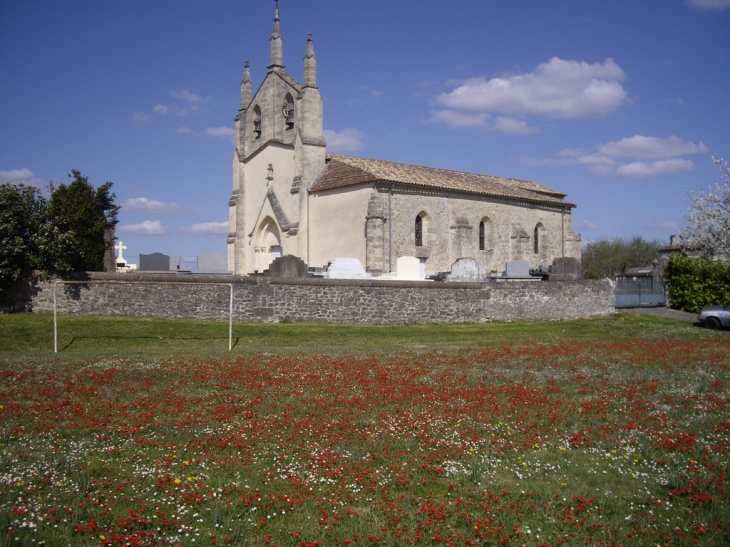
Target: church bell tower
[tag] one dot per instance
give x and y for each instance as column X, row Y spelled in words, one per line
column 279, row 152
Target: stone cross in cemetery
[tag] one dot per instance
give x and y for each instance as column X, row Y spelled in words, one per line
column 121, row 263
column 120, row 247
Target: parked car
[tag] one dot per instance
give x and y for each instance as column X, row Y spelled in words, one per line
column 714, row 317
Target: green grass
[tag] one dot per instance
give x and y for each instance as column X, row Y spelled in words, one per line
column 145, row 432
column 31, row 335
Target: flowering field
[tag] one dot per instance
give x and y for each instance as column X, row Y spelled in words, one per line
column 566, row 443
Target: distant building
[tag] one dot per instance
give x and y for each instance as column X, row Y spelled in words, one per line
column 676, row 245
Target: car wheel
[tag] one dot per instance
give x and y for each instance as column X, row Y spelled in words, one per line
column 712, row 323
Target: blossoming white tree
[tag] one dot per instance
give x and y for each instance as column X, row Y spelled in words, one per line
column 709, row 211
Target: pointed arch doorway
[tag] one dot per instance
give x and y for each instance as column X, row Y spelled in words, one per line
column 267, row 245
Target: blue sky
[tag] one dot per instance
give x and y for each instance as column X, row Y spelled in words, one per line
column 619, row 104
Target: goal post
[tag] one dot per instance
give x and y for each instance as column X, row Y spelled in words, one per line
column 61, row 282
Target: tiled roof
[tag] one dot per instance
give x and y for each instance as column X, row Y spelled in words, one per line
column 342, row 171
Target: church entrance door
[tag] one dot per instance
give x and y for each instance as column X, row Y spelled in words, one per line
column 268, row 244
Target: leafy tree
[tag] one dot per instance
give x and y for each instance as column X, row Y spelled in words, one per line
column 710, row 213
column 79, row 215
column 608, row 257
column 23, row 215
column 696, row 282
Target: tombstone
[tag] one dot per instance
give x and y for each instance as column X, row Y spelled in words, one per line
column 155, row 262
column 212, row 262
column 517, row 268
column 346, row 268
column 566, row 269
column 288, row 266
column 177, row 263
column 465, row 270
column 408, row 268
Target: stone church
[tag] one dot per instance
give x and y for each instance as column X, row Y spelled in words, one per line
column 291, row 197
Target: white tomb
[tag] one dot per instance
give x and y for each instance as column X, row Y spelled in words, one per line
column 407, row 268
column 346, row 268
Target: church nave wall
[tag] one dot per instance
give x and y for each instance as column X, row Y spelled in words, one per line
column 451, row 227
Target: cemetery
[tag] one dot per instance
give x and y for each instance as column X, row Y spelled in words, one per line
column 344, row 291
column 291, row 293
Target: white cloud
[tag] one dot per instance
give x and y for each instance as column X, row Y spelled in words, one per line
column 586, row 225
column 642, row 170
column 650, row 148
column 709, row 5
column 163, row 110
column 556, row 89
column 604, row 159
column 460, row 119
column 148, row 227
column 22, row 176
column 510, row 125
column 347, row 140
column 207, row 229
column 141, row 117
column 158, row 207
column 184, row 130
column 187, row 96
column 193, row 102
column 219, row 132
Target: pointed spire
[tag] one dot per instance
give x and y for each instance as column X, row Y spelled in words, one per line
column 246, row 73
column 245, row 87
column 310, row 64
column 276, row 59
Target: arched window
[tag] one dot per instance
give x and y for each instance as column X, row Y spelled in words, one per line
column 485, row 234
column 256, row 123
column 536, row 239
column 288, row 112
column 419, row 231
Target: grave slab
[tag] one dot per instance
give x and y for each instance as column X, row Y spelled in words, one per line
column 517, row 268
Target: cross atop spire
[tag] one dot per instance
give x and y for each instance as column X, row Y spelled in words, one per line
column 276, row 43
column 310, row 64
column 245, row 88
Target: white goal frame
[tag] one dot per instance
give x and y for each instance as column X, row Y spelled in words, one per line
column 55, row 286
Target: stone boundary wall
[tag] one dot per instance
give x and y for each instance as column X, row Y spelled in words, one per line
column 312, row 299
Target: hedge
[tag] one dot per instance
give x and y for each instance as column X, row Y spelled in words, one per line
column 695, row 283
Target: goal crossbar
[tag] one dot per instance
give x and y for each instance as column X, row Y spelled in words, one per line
column 60, row 282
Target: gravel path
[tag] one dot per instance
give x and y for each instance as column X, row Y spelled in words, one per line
column 663, row 312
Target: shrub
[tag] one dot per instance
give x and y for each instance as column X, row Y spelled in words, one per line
column 697, row 282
